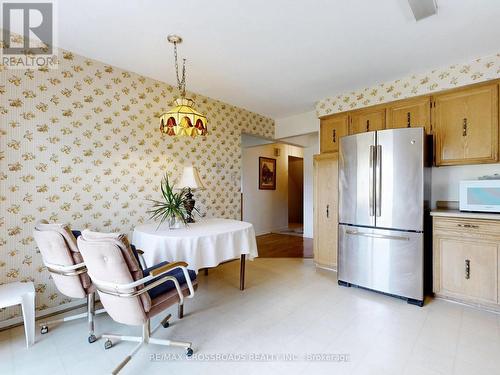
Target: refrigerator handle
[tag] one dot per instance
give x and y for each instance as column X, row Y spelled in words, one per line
column 371, row 181
column 376, row 235
column 378, row 181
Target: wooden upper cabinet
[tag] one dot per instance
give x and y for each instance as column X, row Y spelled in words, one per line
column 367, row 120
column 332, row 128
column 464, row 122
column 409, row 114
column 466, row 126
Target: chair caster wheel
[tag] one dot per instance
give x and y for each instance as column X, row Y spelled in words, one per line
column 165, row 322
column 108, row 344
column 189, row 352
column 92, row 339
column 44, row 330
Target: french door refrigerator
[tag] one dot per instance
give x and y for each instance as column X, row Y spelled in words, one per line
column 384, row 191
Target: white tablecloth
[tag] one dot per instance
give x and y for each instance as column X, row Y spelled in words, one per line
column 206, row 243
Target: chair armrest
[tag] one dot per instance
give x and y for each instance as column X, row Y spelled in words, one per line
column 158, row 272
column 120, row 290
column 167, row 267
column 123, row 290
column 140, row 255
column 71, row 270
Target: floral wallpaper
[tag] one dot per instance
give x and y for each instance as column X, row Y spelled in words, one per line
column 81, row 144
column 479, row 70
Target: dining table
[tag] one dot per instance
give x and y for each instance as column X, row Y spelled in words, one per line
column 204, row 244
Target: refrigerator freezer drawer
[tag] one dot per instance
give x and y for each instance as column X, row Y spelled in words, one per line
column 384, row 260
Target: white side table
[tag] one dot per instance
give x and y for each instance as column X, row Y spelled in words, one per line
column 23, row 294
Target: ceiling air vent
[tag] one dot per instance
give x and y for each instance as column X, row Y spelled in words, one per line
column 423, row 8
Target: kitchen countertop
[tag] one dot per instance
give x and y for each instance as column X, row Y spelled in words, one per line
column 464, row 214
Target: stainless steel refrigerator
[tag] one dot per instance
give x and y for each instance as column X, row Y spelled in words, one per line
column 384, row 195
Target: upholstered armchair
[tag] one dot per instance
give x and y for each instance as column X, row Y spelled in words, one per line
column 130, row 295
column 60, row 254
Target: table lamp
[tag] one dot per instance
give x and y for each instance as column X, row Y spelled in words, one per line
column 191, row 181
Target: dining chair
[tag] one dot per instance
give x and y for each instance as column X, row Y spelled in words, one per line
column 61, row 257
column 130, row 295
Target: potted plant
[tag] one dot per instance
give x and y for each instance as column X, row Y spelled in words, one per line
column 172, row 208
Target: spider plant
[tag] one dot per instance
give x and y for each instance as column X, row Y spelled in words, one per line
column 172, row 207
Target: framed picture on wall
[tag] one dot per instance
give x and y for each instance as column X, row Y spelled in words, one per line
column 267, row 173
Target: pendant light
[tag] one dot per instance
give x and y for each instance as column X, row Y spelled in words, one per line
column 183, row 119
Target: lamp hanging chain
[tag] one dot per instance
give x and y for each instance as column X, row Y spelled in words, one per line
column 181, row 83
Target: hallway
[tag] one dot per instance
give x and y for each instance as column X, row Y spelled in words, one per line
column 284, row 246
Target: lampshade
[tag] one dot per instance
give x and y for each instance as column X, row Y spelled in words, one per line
column 190, row 179
column 183, row 119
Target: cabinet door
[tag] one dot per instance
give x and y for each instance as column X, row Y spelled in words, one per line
column 409, row 114
column 367, row 121
column 468, row 269
column 332, row 128
column 466, row 126
column 325, row 210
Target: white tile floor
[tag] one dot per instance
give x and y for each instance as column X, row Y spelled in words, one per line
column 288, row 307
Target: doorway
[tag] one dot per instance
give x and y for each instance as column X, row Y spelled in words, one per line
column 278, row 228
column 295, row 195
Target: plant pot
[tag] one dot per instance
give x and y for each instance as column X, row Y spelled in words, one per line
column 175, row 223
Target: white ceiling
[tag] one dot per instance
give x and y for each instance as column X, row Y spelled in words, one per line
column 278, row 57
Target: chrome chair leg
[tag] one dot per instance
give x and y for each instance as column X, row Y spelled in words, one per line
column 145, row 339
column 90, row 316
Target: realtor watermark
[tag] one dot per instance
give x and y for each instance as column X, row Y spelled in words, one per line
column 251, row 357
column 28, row 35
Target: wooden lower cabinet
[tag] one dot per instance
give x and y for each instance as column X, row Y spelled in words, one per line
column 325, row 210
column 466, row 254
column 468, row 268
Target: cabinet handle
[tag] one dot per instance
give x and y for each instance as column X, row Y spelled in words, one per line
column 468, row 226
column 327, row 211
column 464, row 128
column 408, row 119
column 334, row 135
column 367, row 125
column 467, row 269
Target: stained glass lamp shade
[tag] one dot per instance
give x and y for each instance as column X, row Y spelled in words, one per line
column 183, row 120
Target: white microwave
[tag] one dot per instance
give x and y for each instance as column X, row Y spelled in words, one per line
column 480, row 195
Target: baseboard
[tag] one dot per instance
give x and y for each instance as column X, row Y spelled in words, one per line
column 278, row 230
column 287, row 231
column 333, row 269
column 18, row 320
